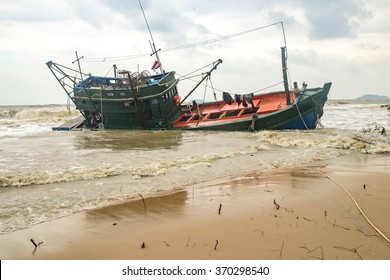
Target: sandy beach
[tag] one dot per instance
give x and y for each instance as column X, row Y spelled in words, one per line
column 280, row 214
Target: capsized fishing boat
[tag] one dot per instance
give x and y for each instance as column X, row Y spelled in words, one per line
column 144, row 101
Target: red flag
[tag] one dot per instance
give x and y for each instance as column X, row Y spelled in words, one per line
column 156, row 65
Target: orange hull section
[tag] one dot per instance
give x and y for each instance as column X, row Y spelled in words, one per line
column 220, row 112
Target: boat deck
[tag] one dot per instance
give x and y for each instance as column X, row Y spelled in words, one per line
column 222, row 112
column 70, row 125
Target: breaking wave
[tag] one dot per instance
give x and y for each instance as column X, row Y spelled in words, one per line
column 367, row 142
column 45, row 114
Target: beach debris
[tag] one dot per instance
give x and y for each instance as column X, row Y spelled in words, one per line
column 276, row 205
column 143, row 201
column 353, row 250
column 220, row 207
column 375, row 127
column 281, row 250
column 262, row 232
column 216, row 244
column 325, row 214
column 334, row 225
column 356, row 204
column 296, row 223
column 364, row 186
column 310, row 220
column 367, row 234
column 35, row 244
column 114, row 224
column 312, row 250
column 143, row 245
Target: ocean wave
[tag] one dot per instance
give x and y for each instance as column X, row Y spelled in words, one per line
column 368, row 143
column 17, row 115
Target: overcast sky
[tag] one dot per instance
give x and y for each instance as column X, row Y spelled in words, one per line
column 346, row 42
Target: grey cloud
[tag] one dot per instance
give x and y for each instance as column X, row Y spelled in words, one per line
column 333, row 18
column 368, row 46
column 31, row 11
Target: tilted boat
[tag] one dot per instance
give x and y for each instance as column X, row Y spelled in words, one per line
column 144, row 101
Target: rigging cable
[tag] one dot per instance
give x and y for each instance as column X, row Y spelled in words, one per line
column 356, row 204
column 193, row 45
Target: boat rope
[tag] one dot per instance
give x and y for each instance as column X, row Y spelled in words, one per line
column 197, row 70
column 193, row 45
column 109, row 70
column 215, row 95
column 300, row 115
column 204, row 98
column 354, row 201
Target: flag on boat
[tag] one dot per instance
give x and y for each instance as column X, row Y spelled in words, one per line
column 156, row 65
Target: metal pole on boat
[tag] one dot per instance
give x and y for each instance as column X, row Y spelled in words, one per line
column 78, row 62
column 153, row 46
column 285, row 80
column 216, row 63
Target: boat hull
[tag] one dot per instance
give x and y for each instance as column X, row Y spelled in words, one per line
column 303, row 113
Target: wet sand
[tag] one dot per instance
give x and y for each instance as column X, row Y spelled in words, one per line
column 271, row 215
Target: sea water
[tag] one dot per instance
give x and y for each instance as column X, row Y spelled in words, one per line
column 45, row 174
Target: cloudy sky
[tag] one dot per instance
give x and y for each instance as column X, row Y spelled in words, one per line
column 346, row 42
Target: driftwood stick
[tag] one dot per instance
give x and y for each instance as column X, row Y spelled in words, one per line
column 353, row 250
column 262, row 232
column 276, row 205
column 216, row 244
column 281, row 250
column 309, row 251
column 334, row 225
column 143, row 201
column 33, row 242
column 220, row 207
column 310, row 220
column 366, row 234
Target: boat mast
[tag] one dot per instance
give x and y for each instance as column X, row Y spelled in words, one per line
column 285, row 80
column 284, row 67
column 152, row 44
column 78, row 62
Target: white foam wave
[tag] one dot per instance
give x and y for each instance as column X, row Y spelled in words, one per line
column 345, row 140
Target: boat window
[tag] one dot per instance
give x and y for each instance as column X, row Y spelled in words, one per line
column 184, row 118
column 232, row 113
column 248, row 111
column 216, row 115
column 196, row 117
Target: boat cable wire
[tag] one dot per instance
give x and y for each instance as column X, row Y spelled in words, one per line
column 300, row 115
column 204, row 98
column 354, row 201
column 219, row 90
column 193, row 45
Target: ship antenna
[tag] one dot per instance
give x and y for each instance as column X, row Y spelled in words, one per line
column 152, row 45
